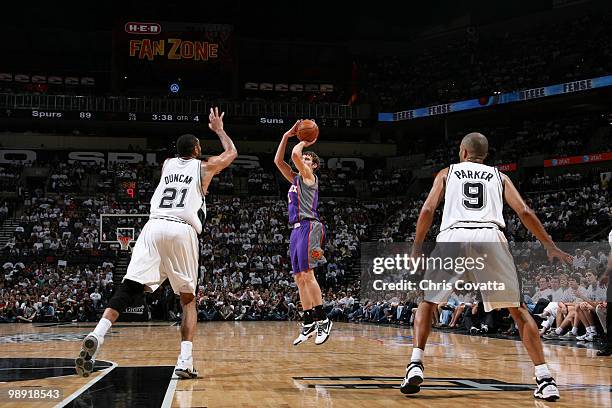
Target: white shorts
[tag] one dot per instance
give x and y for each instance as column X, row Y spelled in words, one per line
column 165, row 250
column 499, row 267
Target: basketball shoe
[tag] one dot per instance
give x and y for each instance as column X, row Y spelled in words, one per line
column 547, row 389
column 569, row 336
column 585, row 337
column 84, row 363
column 308, row 330
column 323, row 330
column 184, row 368
column 604, row 352
column 413, row 379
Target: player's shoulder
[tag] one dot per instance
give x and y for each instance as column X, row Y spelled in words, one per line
column 444, row 171
column 503, row 176
column 168, row 161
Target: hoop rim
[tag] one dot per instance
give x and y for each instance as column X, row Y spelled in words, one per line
column 124, row 241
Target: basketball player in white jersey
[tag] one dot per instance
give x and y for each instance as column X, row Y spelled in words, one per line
column 473, row 202
column 167, row 247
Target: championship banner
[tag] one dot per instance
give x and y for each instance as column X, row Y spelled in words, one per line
column 588, row 158
column 498, row 99
column 158, row 54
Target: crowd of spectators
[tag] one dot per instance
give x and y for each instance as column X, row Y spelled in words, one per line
column 106, row 176
column 564, row 212
column 543, row 182
column 392, row 183
column 244, row 244
column 510, row 140
column 66, row 178
column 478, row 63
column 262, row 182
column 4, row 211
column 245, row 273
column 567, row 301
column 9, row 175
column 56, row 269
column 43, row 292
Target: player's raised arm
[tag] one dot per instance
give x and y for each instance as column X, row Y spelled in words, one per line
column 217, row 163
column 298, row 160
column 531, row 221
column 429, row 209
column 279, row 158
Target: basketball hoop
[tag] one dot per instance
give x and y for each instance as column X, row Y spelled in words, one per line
column 124, row 241
column 124, row 236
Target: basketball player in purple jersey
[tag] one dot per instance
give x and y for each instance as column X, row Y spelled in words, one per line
column 307, row 234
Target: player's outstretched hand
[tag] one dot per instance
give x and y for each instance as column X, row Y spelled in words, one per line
column 293, row 131
column 216, row 120
column 556, row 253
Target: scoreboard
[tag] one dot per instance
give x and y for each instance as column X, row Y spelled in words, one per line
column 86, row 116
column 126, row 190
column 83, row 116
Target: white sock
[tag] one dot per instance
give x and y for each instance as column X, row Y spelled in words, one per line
column 417, row 354
column 549, row 322
column 102, row 328
column 541, row 371
column 574, row 331
column 592, row 329
column 559, row 330
column 186, row 347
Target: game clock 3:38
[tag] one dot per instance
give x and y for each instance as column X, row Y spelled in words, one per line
column 171, row 117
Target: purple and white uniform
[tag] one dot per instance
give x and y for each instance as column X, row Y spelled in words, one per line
column 307, row 232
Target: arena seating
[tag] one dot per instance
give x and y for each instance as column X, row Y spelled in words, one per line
column 478, row 64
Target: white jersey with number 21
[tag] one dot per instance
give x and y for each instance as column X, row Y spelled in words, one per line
column 179, row 192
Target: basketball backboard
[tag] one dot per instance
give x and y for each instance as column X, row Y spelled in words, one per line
column 114, row 226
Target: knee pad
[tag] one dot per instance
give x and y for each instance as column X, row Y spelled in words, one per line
column 125, row 295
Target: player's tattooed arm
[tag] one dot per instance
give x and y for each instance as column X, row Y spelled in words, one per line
column 531, row 221
column 298, row 159
column 217, row 163
column 428, row 210
column 279, row 158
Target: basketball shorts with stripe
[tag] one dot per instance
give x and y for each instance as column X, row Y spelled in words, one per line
column 488, row 244
column 165, row 250
column 306, row 246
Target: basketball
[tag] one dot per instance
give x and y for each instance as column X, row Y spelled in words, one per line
column 308, row 131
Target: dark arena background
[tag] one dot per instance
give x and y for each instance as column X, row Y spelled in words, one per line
column 93, row 97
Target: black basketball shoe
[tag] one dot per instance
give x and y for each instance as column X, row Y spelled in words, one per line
column 413, row 379
column 606, row 351
column 547, row 390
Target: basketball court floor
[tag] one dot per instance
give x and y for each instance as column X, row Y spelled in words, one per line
column 253, row 364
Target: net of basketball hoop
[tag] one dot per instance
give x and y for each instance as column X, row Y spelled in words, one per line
column 124, row 241
column 124, row 237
